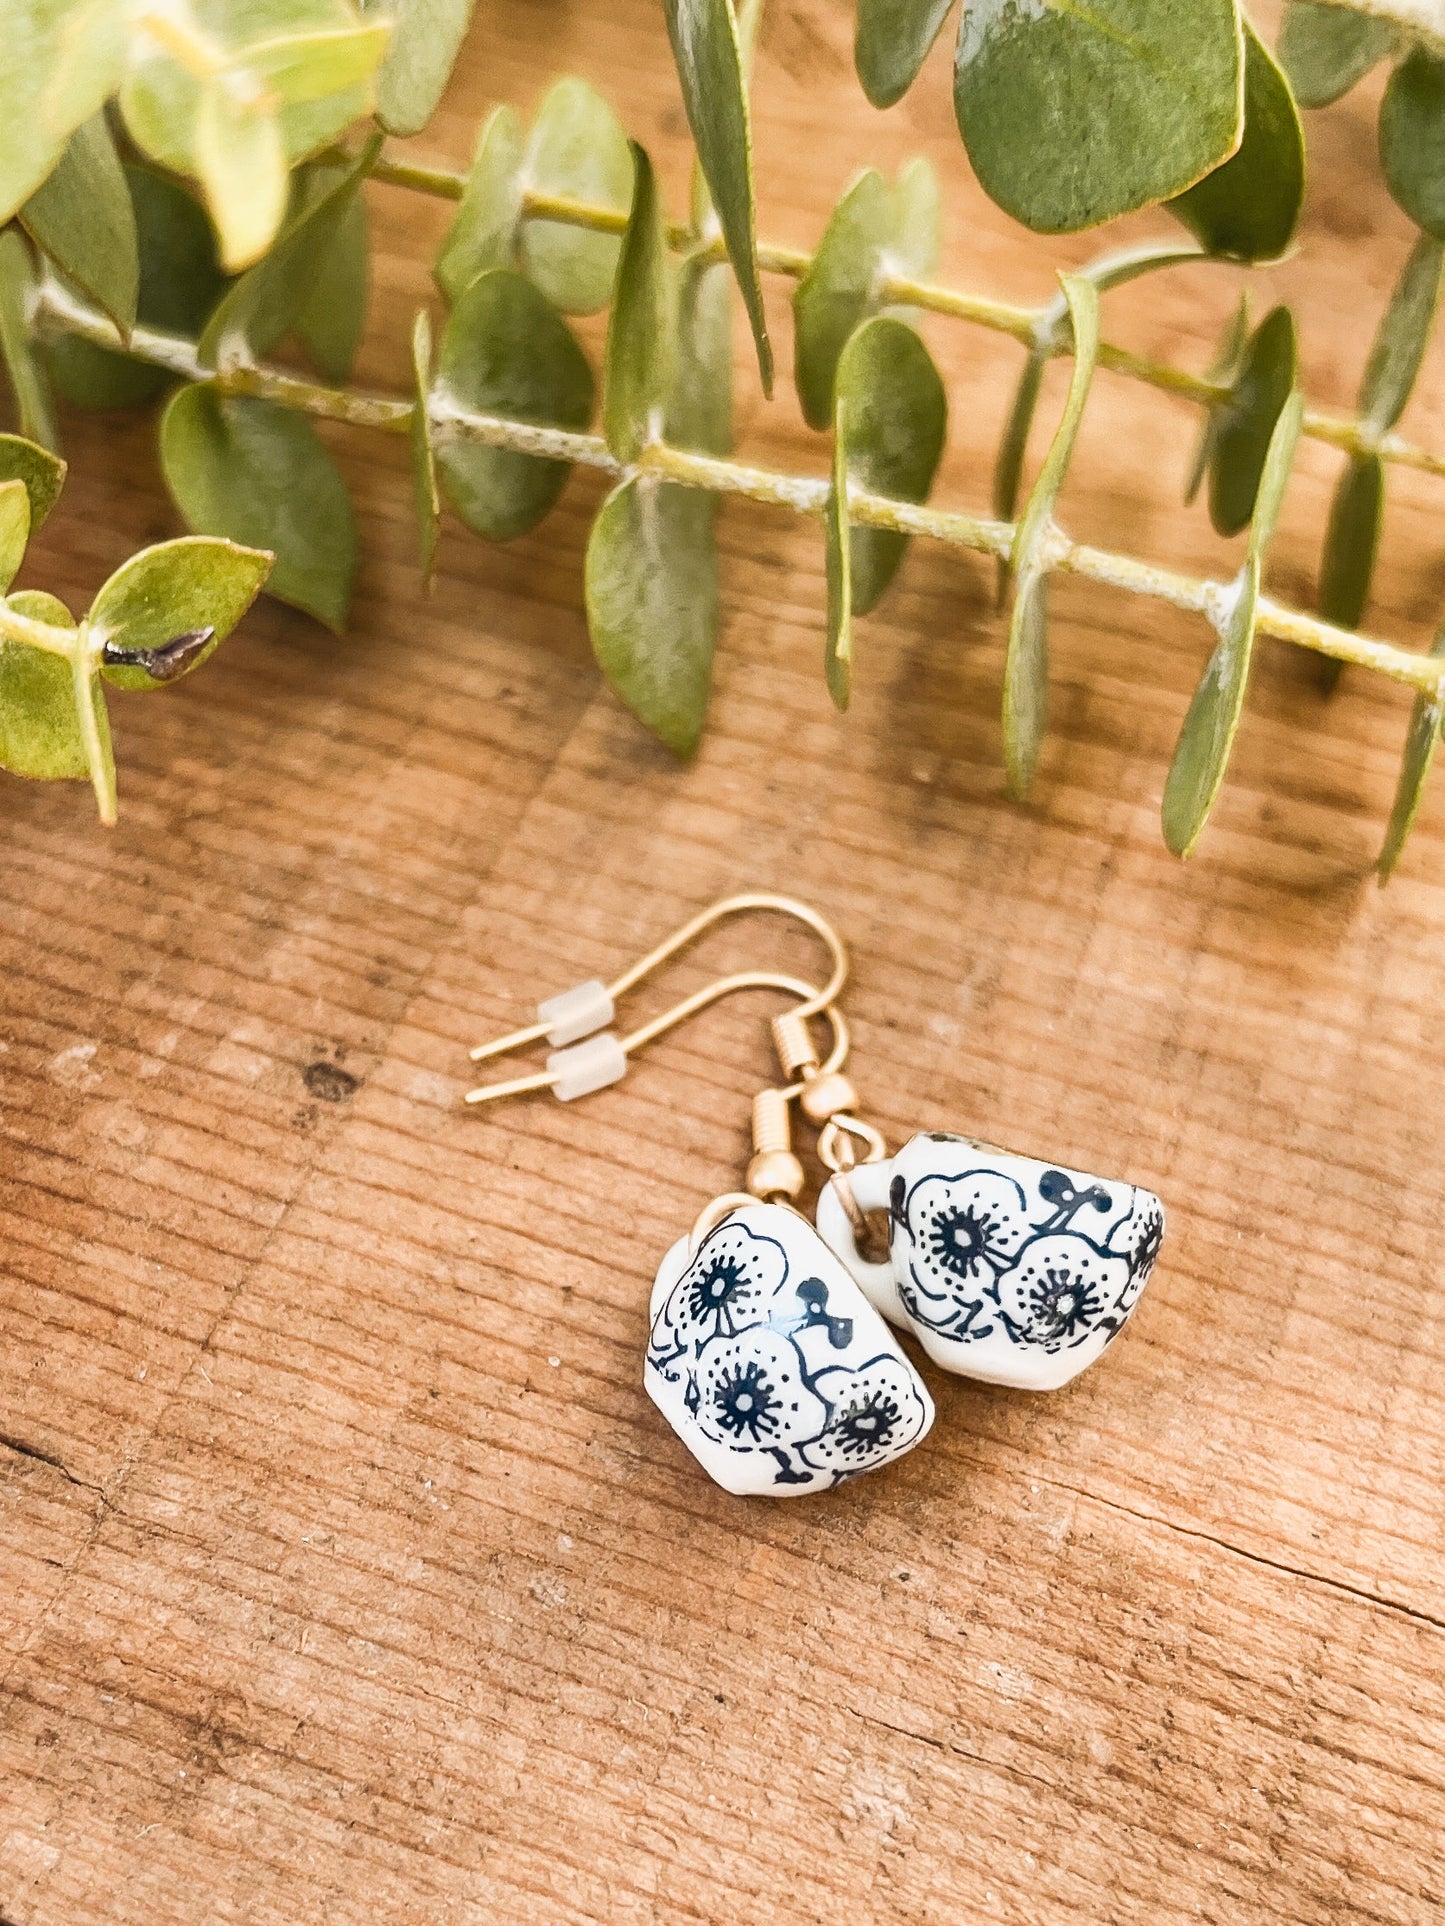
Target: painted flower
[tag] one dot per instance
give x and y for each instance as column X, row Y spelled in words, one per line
column 1143, row 1234
column 728, row 1286
column 878, row 1411
column 1061, row 1290
column 751, row 1393
column 962, row 1231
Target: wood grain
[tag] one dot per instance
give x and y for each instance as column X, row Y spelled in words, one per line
column 348, row 1575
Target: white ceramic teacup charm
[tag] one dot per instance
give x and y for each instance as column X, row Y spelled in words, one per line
column 769, row 1362
column 1005, row 1268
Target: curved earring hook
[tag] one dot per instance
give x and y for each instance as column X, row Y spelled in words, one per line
column 600, row 1060
column 591, row 1006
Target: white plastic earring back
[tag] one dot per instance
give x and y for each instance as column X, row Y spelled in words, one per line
column 574, row 1014
column 587, row 1066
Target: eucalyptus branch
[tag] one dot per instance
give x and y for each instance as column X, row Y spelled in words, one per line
column 1344, row 432
column 59, row 310
column 564, row 218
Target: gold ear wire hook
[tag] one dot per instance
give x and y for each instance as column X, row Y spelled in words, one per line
column 815, row 1002
column 680, row 1012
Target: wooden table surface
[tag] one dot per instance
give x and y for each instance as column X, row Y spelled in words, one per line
column 347, row 1573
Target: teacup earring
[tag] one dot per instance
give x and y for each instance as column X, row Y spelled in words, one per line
column 763, row 1353
column 1006, row 1268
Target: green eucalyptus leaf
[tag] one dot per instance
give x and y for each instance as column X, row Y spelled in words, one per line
column 838, row 553
column 308, row 128
column 1245, row 422
column 163, row 612
column 277, row 51
column 181, row 278
column 90, row 50
column 1073, row 114
column 874, row 231
column 1224, row 368
column 1426, row 721
column 577, row 150
column 1412, row 139
column 273, row 298
column 259, row 475
column 1054, row 335
column 14, row 529
column 1352, row 536
column 1008, row 465
column 1026, row 665
column 1274, row 475
column 240, row 159
column 483, row 234
column 891, row 417
column 158, row 101
column 39, row 605
column 1026, row 681
column 1404, row 334
column 1083, row 303
column 637, row 381
column 426, row 38
column 917, row 220
column 506, row 351
column 40, row 733
column 700, row 410
column 264, row 110
column 652, row 603
column 1325, row 49
column 17, row 351
column 710, row 66
column 839, row 290
column 81, row 217
column 1351, row 540
column 180, row 282
column 423, row 455
column 332, row 319
column 60, row 64
column 96, row 378
column 1249, row 207
column 42, row 473
column 302, row 68
column 1201, row 755
column 891, row 42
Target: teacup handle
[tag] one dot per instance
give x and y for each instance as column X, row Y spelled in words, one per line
column 870, row 1185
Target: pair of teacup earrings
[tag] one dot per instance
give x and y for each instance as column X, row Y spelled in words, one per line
column 767, row 1352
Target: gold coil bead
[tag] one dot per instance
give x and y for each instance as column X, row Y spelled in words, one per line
column 823, row 1097
column 772, row 1129
column 794, row 1044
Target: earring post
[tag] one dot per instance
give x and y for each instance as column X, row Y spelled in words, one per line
column 516, row 1087
column 514, row 1040
column 596, row 999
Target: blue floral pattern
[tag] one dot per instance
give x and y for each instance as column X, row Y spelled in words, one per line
column 763, row 1364
column 1052, row 1267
